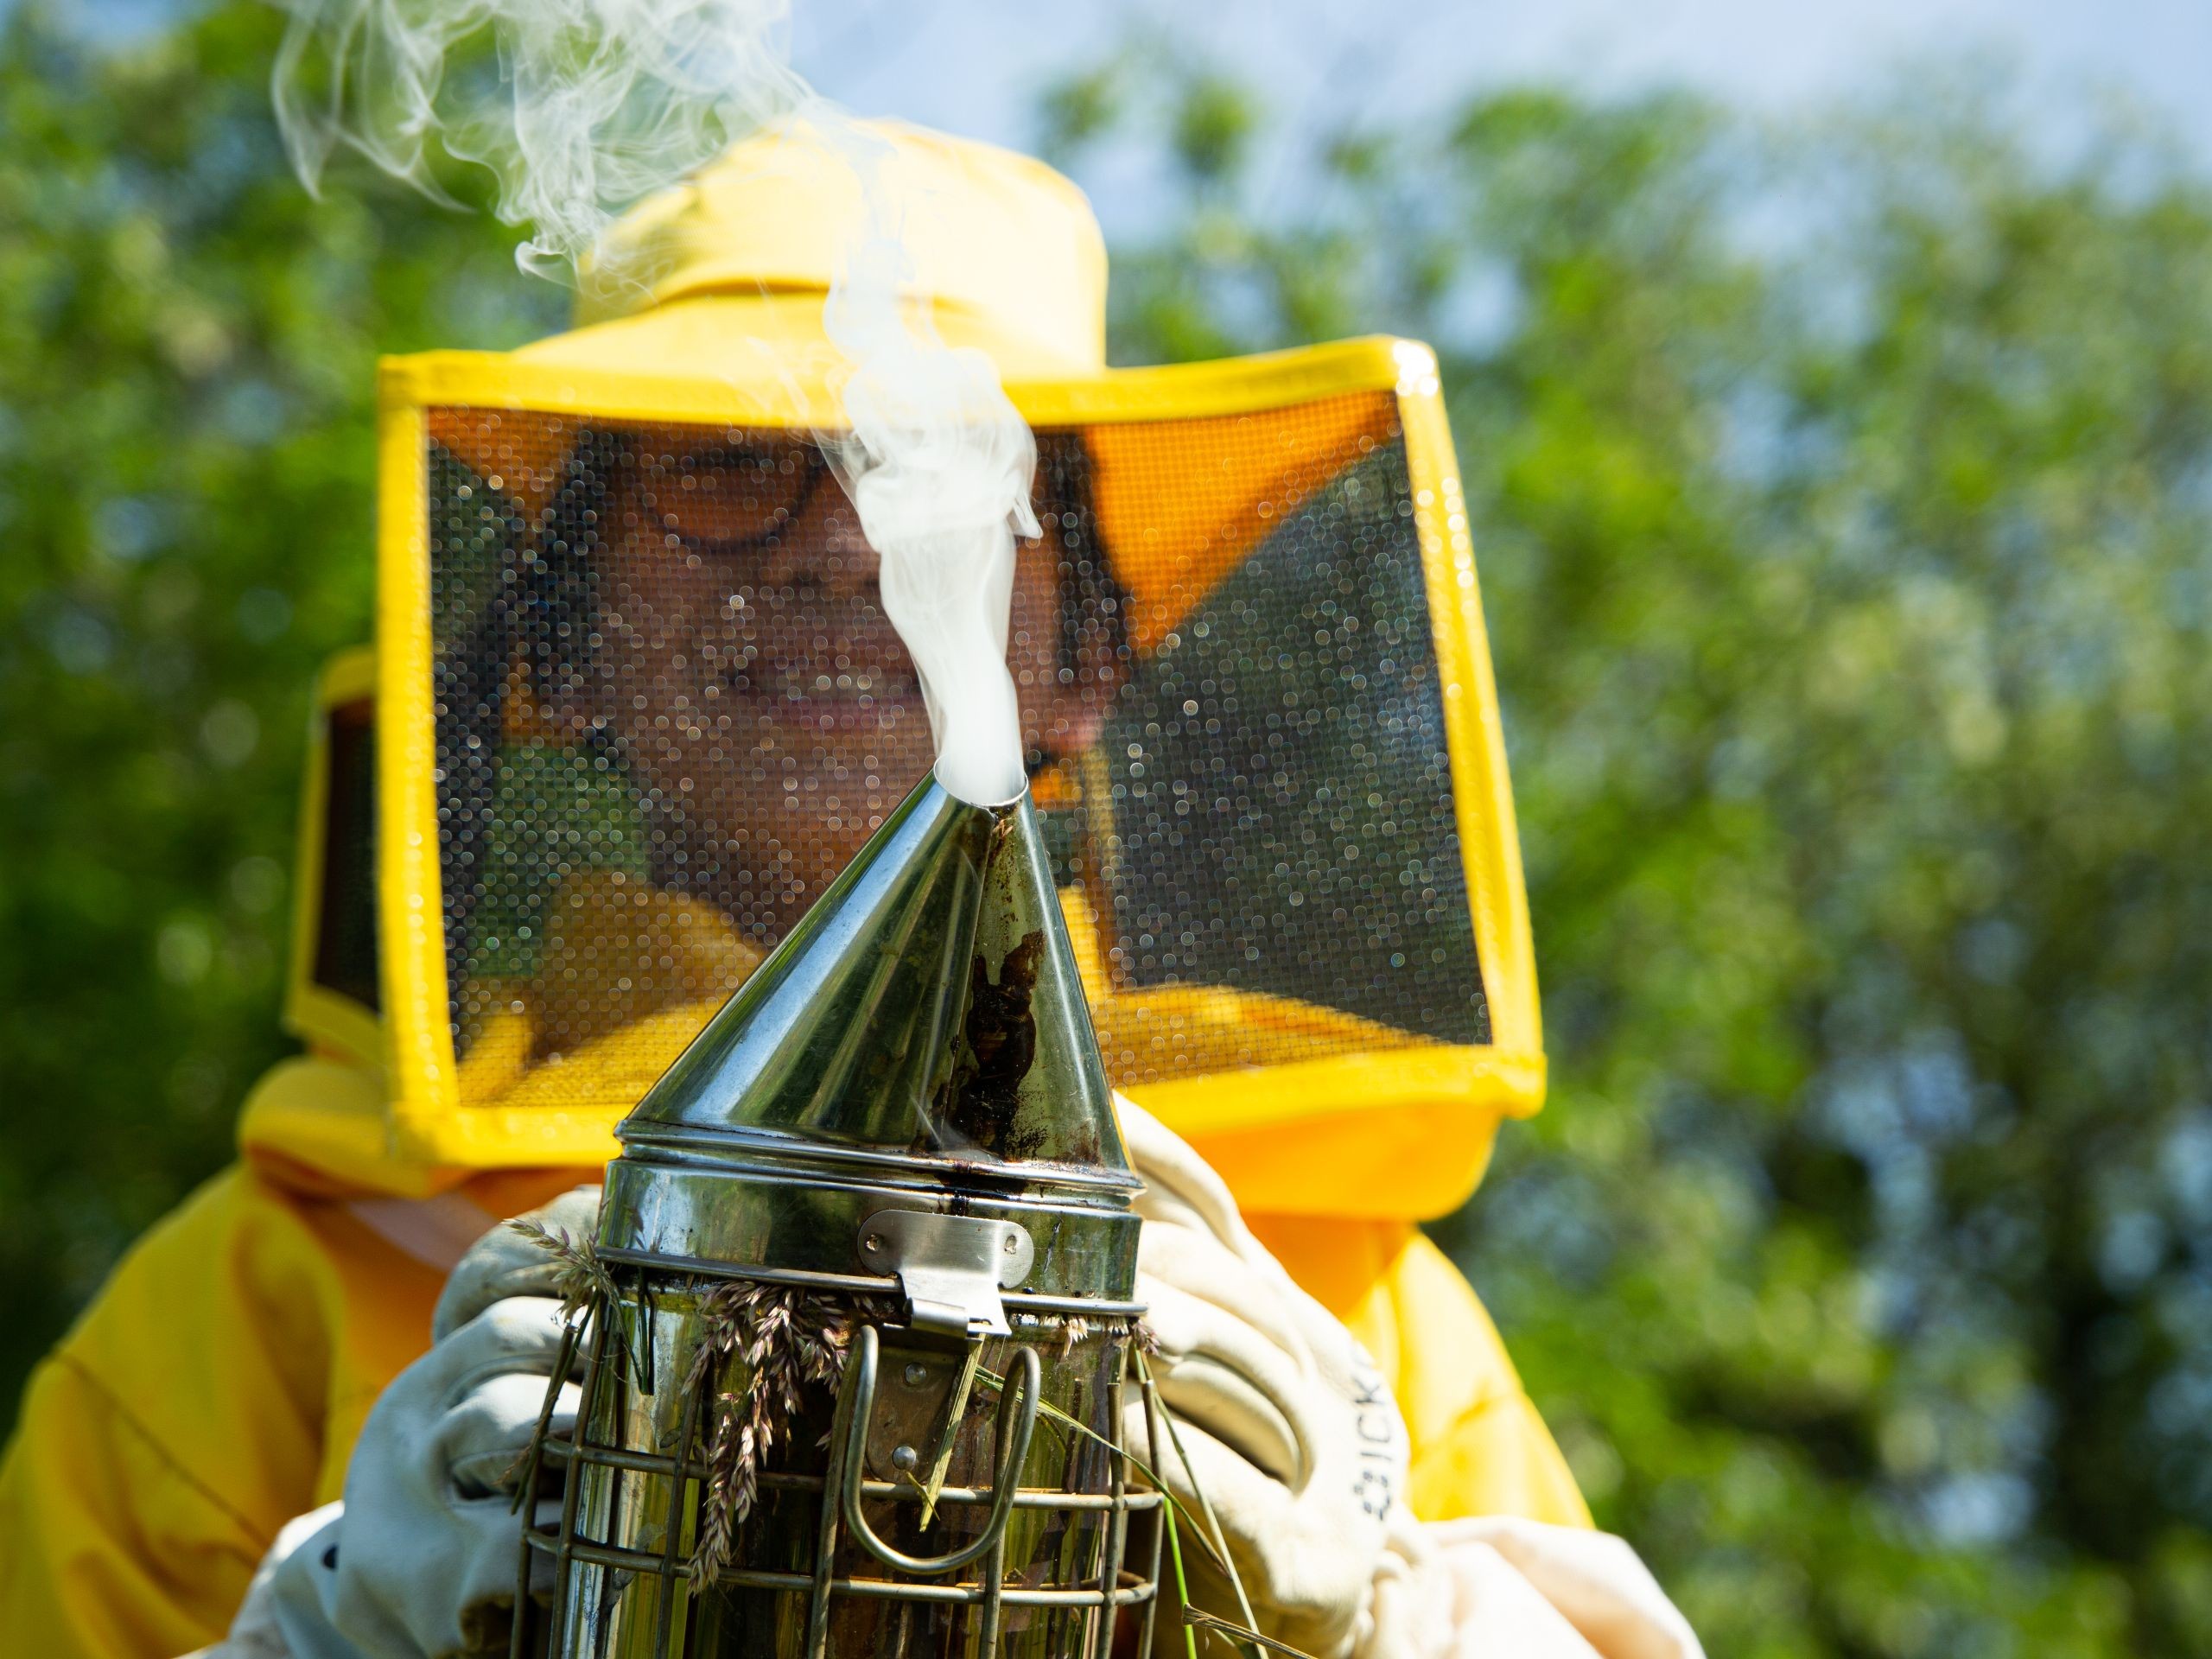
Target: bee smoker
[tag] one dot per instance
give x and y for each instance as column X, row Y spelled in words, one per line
column 852, row 1379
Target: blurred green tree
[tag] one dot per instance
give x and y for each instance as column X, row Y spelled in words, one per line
column 1843, row 497
column 186, row 390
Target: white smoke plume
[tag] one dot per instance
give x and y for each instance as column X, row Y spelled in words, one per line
column 595, row 104
column 939, row 465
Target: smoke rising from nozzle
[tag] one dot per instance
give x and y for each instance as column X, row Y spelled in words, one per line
column 598, row 104
column 939, row 465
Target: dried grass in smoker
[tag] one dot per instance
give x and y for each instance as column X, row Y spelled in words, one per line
column 789, row 1339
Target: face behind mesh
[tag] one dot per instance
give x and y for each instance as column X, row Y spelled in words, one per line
column 661, row 732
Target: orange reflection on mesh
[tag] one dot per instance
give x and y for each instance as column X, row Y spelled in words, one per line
column 1182, row 502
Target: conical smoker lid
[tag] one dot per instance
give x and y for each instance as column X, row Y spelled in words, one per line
column 928, row 1003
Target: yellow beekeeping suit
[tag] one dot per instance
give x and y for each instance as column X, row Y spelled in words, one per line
column 215, row 1388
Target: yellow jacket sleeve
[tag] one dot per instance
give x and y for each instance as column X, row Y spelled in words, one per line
column 112, row 1548
column 1479, row 1445
column 209, row 1394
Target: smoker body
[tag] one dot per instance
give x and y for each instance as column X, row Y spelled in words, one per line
column 877, row 1216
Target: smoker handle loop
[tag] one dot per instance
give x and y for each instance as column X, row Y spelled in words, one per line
column 1011, row 1448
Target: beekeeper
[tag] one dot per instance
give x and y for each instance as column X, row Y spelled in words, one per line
column 632, row 701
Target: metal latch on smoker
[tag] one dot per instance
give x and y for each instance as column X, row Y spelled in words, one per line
column 950, row 1268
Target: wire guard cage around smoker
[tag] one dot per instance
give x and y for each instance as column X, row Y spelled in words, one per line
column 895, row 1146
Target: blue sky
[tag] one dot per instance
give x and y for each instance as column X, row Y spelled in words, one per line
column 973, row 65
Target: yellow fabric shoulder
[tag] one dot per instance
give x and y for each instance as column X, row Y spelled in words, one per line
column 208, row 1396
column 1479, row 1444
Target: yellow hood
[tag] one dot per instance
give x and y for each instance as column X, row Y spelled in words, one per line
column 1290, row 501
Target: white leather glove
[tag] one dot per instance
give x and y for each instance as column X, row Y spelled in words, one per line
column 1288, row 1428
column 1501, row 1585
column 1300, row 1448
column 419, row 1562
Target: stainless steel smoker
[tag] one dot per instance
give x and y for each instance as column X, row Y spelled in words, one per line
column 853, row 1370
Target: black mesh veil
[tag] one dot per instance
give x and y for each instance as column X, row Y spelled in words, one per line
column 667, row 708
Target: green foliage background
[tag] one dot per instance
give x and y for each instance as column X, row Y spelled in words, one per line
column 1842, row 496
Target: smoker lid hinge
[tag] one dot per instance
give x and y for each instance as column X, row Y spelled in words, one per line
column 950, row 1268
